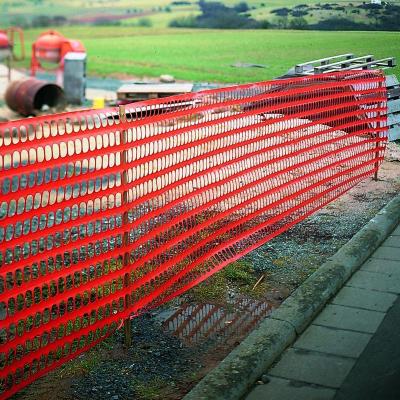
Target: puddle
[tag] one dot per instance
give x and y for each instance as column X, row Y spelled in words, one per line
column 215, row 323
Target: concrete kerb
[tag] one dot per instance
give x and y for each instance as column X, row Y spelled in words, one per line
column 235, row 375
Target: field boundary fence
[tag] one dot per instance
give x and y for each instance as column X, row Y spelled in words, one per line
column 107, row 213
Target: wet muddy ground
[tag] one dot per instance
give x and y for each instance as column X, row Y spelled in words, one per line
column 176, row 345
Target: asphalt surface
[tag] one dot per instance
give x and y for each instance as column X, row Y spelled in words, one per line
column 376, row 375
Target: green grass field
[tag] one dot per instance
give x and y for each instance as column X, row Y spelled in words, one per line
column 206, row 55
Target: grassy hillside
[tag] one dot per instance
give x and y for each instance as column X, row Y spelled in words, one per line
column 207, row 55
column 161, row 12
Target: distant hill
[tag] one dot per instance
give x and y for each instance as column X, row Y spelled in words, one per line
column 315, row 14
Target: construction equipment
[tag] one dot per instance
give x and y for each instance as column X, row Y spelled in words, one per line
column 50, row 48
column 345, row 62
column 74, row 77
column 7, row 45
column 341, row 62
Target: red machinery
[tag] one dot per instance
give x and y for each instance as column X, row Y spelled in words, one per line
column 51, row 48
column 7, row 42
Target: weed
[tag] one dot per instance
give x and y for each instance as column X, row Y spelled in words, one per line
column 239, row 272
column 152, row 390
column 237, row 277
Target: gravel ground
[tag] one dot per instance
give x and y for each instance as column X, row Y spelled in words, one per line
column 156, row 365
column 154, row 356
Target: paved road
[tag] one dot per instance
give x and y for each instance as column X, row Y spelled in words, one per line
column 351, row 351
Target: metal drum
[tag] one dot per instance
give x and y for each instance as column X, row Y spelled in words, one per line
column 32, row 97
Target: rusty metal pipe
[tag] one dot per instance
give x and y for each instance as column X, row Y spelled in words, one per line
column 32, row 96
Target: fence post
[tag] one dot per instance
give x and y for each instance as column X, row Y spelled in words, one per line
column 376, row 164
column 378, row 125
column 125, row 240
column 377, row 135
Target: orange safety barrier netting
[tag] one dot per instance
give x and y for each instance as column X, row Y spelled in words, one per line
column 104, row 214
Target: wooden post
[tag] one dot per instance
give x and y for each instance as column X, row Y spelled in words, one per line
column 125, row 221
column 127, row 322
column 376, row 165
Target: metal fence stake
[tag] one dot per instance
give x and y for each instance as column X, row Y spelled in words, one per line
column 125, row 221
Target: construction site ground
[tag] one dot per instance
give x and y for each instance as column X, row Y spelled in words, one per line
column 176, row 345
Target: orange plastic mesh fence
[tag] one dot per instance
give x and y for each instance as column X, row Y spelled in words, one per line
column 106, row 213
